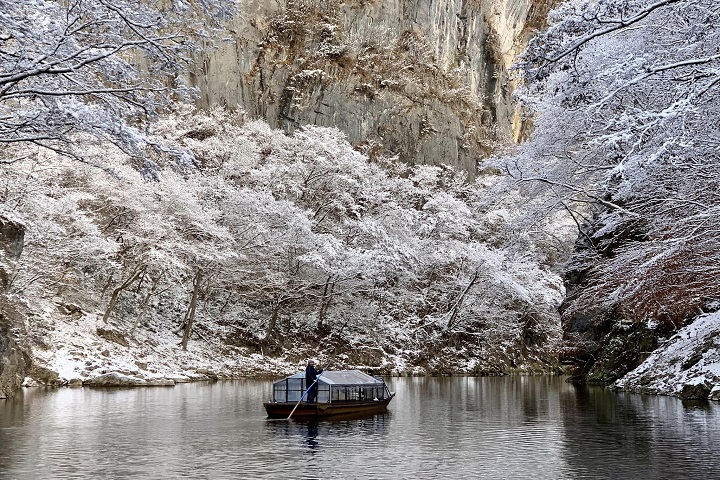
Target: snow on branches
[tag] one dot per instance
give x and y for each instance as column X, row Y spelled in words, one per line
column 274, row 237
column 627, row 104
column 81, row 71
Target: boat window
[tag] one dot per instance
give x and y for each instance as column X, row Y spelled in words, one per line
column 323, row 393
column 343, row 393
column 338, row 394
column 288, row 390
column 379, row 393
column 367, row 393
column 280, row 391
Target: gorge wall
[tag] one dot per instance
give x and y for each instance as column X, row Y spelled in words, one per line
column 426, row 80
column 14, row 361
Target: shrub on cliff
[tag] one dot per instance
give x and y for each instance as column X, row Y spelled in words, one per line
column 626, row 96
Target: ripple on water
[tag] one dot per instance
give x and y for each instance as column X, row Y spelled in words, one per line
column 516, row 427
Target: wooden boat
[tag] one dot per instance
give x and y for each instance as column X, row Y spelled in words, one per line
column 339, row 392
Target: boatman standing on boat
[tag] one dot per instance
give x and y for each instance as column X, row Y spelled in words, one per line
column 310, row 380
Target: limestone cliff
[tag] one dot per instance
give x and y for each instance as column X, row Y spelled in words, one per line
column 12, row 236
column 426, row 80
column 14, row 360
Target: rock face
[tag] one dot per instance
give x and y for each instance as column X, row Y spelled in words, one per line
column 686, row 365
column 12, row 237
column 600, row 344
column 605, row 339
column 426, row 80
column 14, row 361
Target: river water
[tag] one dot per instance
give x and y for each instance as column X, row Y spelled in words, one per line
column 451, row 427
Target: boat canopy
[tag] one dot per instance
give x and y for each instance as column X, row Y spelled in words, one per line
column 332, row 386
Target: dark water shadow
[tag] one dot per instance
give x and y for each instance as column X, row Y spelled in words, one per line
column 316, row 433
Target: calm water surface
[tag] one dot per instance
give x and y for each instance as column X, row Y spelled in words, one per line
column 457, row 427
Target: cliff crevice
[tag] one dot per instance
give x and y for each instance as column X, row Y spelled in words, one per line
column 424, row 80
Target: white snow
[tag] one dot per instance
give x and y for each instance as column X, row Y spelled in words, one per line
column 78, row 353
column 690, row 357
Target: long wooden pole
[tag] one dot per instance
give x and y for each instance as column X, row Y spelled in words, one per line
column 306, row 391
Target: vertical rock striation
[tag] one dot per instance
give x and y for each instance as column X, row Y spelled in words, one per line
column 426, row 80
column 12, row 236
column 14, row 361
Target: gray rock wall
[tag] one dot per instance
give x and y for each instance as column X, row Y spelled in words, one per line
column 422, row 79
column 14, row 361
column 12, row 237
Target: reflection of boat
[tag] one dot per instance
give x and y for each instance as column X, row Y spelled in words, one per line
column 343, row 417
column 342, row 392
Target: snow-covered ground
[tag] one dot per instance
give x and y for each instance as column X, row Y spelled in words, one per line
column 688, row 361
column 82, row 349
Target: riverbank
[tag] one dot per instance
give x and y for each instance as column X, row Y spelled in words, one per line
column 85, row 351
column 69, row 346
column 686, row 365
column 82, row 350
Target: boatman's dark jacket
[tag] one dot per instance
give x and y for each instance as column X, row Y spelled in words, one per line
column 311, row 375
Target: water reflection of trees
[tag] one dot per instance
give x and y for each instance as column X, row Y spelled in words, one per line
column 12, row 414
column 623, row 435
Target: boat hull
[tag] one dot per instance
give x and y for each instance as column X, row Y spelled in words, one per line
column 322, row 410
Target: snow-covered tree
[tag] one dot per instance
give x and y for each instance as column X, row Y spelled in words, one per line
column 626, row 102
column 364, row 245
column 282, row 243
column 79, row 71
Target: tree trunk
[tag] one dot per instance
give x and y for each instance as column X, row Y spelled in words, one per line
column 107, row 285
column 190, row 315
column 458, row 304
column 325, row 300
column 146, row 301
column 273, row 321
column 116, row 293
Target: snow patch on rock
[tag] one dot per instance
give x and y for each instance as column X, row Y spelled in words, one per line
column 686, row 365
